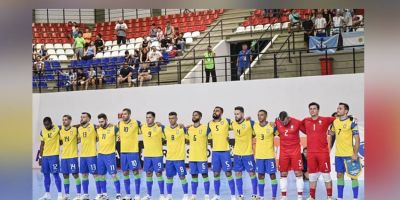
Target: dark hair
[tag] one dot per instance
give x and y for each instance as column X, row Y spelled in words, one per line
column 346, row 106
column 99, row 34
column 283, row 115
column 333, row 114
column 153, row 24
column 47, row 120
column 219, row 107
column 173, row 114
column 198, row 112
column 80, row 32
column 126, row 52
column 68, row 117
column 86, row 113
column 313, row 104
column 127, row 110
column 151, row 113
column 239, row 108
column 264, row 111
column 102, row 115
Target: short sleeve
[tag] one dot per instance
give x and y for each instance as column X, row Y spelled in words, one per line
column 252, row 124
column 116, row 129
column 41, row 136
column 276, row 132
column 354, row 128
column 139, row 123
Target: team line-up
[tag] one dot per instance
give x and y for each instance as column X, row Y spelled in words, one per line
column 98, row 157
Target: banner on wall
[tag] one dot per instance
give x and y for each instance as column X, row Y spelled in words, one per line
column 321, row 44
column 353, row 38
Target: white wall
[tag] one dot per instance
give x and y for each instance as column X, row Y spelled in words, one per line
column 274, row 95
column 221, row 49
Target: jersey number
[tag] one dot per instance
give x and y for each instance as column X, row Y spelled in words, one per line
column 172, row 137
column 49, row 135
column 149, row 134
column 339, row 131
column 84, row 134
column 238, row 131
column 262, row 137
column 285, row 133
column 103, row 136
column 194, row 138
column 216, row 128
column 125, row 129
column 66, row 139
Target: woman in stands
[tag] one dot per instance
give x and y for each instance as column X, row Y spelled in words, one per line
column 169, row 32
column 100, row 77
column 90, row 51
column 99, row 43
column 144, row 74
column 91, row 78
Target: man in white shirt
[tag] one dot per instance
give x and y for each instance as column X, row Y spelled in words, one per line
column 154, row 56
column 348, row 18
column 120, row 30
column 338, row 22
column 320, row 25
column 294, row 19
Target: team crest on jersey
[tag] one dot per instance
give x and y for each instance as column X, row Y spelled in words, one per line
column 291, row 126
column 154, row 128
column 344, row 125
column 320, row 122
column 222, row 122
column 243, row 125
column 70, row 132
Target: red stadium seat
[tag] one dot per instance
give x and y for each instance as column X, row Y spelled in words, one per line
column 54, row 35
column 49, row 40
column 208, row 22
column 246, row 23
column 284, row 18
column 265, row 21
column 62, row 35
column 36, row 35
column 34, row 29
column 108, row 28
column 201, row 13
column 60, row 29
column 258, row 12
column 38, row 41
column 51, row 29
column 214, row 16
column 45, row 35
column 43, row 29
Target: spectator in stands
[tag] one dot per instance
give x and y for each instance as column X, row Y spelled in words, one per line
column 38, row 65
column 328, row 18
column 145, row 44
column 81, row 78
column 43, row 53
column 180, row 42
column 153, row 32
column 71, row 81
column 357, row 22
column 91, row 78
column 100, row 76
column 125, row 75
column 320, row 25
column 308, row 27
column 120, row 30
column 34, row 54
column 78, row 45
column 294, row 20
column 87, row 36
column 154, row 57
column 338, row 23
column 160, row 37
column 313, row 15
column 169, row 32
column 144, row 74
column 90, row 52
column 348, row 18
column 129, row 58
column 243, row 61
column 99, row 43
column 209, row 64
column 172, row 53
column 75, row 32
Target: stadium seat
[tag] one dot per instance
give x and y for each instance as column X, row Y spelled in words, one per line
column 56, row 64
column 69, row 52
column 196, row 34
column 240, row 29
column 114, row 42
column 60, row 52
column 155, row 43
column 131, row 46
column 108, row 43
column 67, row 46
column 138, row 45
column 114, row 54
column 115, row 48
column 189, row 40
column 276, row 26
column 259, row 27
column 51, row 51
column 37, row 46
column 107, row 54
column 139, row 40
column 249, row 28
column 49, row 46
column 122, row 47
column 285, row 25
column 62, row 58
column 132, row 41
column 266, row 26
column 58, row 46
column 53, row 57
column 121, row 53
column 187, row 35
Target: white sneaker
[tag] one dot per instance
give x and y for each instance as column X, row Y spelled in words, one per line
column 193, row 197
column 206, row 197
column 233, row 197
column 147, row 197
column 283, row 198
column 299, row 197
column 240, row 197
column 99, row 197
column 216, row 198
column 61, row 197
column 253, row 197
column 127, row 197
column 85, row 197
column 185, row 197
column 78, row 197
column 118, row 197
column 46, row 196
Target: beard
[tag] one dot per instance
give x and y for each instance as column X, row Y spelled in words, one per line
column 195, row 120
column 238, row 120
column 215, row 116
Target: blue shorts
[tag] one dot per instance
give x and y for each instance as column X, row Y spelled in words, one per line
column 50, row 164
column 106, row 163
column 339, row 163
column 198, row 167
column 69, row 166
column 173, row 167
column 266, row 166
column 130, row 161
column 153, row 164
column 221, row 159
column 241, row 163
column 88, row 165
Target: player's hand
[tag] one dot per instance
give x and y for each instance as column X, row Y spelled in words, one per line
column 354, row 157
column 40, row 161
column 188, row 126
column 181, row 126
column 158, row 123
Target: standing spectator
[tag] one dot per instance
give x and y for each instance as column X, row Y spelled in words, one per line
column 153, row 32
column 338, row 23
column 328, row 18
column 320, row 25
column 357, row 22
column 43, row 53
column 209, row 64
column 38, row 65
column 143, row 55
column 145, row 44
column 91, row 78
column 169, row 32
column 144, row 74
column 81, row 78
column 75, row 32
column 243, row 61
column 308, row 27
column 99, row 43
column 90, row 52
column 180, row 42
column 120, row 30
column 125, row 75
column 348, row 18
column 34, row 54
column 100, row 77
column 294, row 19
column 313, row 15
column 154, row 56
column 78, row 45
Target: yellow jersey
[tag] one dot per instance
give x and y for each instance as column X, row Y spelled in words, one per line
column 129, row 136
column 69, row 140
column 344, row 130
column 175, row 142
column 88, row 137
column 264, row 141
column 198, row 142
column 152, row 140
column 219, row 134
column 243, row 133
column 107, row 139
column 51, row 139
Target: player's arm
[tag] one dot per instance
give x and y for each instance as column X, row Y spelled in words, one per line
column 253, row 135
column 229, row 123
column 209, row 135
column 116, row 131
column 41, row 148
column 163, row 136
column 356, row 136
column 303, row 126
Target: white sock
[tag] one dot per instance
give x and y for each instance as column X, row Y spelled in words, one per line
column 60, row 194
column 299, row 184
column 47, row 194
column 283, row 183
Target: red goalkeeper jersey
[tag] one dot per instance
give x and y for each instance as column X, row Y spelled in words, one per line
column 289, row 136
column 317, row 132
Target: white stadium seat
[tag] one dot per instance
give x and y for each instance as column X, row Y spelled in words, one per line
column 249, row 28
column 115, row 48
column 139, row 40
column 131, row 51
column 122, row 53
column 107, row 54
column 122, row 47
column 266, row 26
column 53, row 57
column 189, row 40
column 259, row 27
column 195, row 34
column 155, row 43
column 285, row 25
column 51, row 52
column 60, row 52
column 49, row 46
column 239, row 29
column 69, row 52
column 131, row 46
column 62, row 58
column 114, row 54
column 114, row 42
column 276, row 26
column 187, row 35
column 138, row 45
column 99, row 55
column 67, row 46
column 38, row 46
column 132, row 41
column 58, row 46
column 108, row 43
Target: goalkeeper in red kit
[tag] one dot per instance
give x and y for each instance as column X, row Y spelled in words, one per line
column 318, row 160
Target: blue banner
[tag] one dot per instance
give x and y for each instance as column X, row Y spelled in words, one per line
column 320, row 44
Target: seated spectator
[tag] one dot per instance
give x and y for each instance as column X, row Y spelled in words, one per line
column 99, row 43
column 70, row 85
column 154, row 57
column 81, row 78
column 90, row 52
column 43, row 53
column 38, row 65
column 34, row 54
column 120, row 31
column 308, row 27
column 125, row 75
column 78, row 45
column 357, row 22
column 100, row 77
column 320, row 25
column 180, row 42
column 144, row 74
column 129, row 58
column 169, row 32
column 160, row 37
column 143, row 54
column 294, row 20
column 145, row 44
column 153, row 32
column 91, row 80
